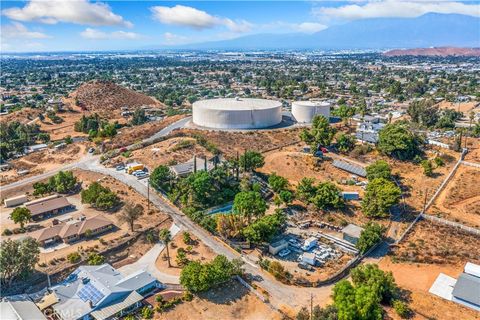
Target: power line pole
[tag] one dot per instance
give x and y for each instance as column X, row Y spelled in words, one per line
column 311, row 306
column 425, row 201
column 148, row 193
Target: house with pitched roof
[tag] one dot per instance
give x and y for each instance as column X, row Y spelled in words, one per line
column 101, row 293
column 73, row 230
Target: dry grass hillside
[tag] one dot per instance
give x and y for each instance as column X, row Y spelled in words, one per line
column 105, row 97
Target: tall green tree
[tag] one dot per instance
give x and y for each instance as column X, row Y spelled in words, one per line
column 321, row 133
column 379, row 169
column 17, row 259
column 277, row 183
column 306, row 190
column 21, row 215
column 165, row 237
column 249, row 204
column 251, row 160
column 380, row 195
column 371, row 234
column 327, row 196
column 162, row 177
column 398, row 141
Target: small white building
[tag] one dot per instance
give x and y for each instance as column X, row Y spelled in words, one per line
column 309, row 257
column 15, row 201
column 309, row 243
column 351, row 233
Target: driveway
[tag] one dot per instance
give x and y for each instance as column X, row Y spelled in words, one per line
column 147, row 262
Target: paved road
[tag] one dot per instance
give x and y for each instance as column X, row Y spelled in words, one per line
column 279, row 294
column 33, row 179
column 147, row 262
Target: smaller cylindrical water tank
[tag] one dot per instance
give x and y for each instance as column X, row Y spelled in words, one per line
column 304, row 111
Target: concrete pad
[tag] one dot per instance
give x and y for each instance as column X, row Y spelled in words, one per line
column 443, row 286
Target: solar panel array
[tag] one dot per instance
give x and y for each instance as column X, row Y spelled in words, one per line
column 359, row 171
column 89, row 292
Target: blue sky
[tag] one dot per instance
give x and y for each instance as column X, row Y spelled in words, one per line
column 74, row 25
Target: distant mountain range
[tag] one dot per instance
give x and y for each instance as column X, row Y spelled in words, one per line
column 435, row 52
column 429, row 30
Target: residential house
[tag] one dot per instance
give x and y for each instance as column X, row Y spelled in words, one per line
column 20, row 309
column 101, row 293
column 48, row 206
column 74, row 230
column 192, row 165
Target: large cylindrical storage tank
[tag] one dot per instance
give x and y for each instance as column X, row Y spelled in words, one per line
column 304, row 111
column 237, row 113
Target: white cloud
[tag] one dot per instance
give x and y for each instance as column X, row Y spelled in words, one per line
column 397, row 8
column 77, row 11
column 95, row 34
column 16, row 30
column 196, row 19
column 172, row 38
column 309, row 27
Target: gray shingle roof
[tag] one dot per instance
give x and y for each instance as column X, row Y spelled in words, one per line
column 467, row 288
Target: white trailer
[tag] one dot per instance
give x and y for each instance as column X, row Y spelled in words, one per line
column 309, row 243
column 15, row 201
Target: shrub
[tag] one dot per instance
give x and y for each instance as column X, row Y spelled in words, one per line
column 402, row 309
column 7, row 232
column 95, row 259
column 74, row 257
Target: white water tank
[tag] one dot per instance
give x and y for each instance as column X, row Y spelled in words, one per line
column 304, row 111
column 237, row 113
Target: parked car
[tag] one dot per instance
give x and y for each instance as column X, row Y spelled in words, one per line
column 284, row 253
column 120, row 167
column 324, row 150
column 305, row 266
column 123, row 149
column 91, row 150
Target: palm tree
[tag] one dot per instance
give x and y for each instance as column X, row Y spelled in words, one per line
column 166, row 237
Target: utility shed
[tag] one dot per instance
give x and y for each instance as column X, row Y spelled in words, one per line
column 358, row 170
column 278, row 246
column 15, row 201
column 351, row 233
column 347, row 195
column 467, row 291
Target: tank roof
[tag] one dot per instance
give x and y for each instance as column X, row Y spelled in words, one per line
column 309, row 103
column 237, row 104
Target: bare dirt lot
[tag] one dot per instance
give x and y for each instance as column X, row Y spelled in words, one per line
column 434, row 243
column 170, row 151
column 460, row 200
column 41, row 161
column 231, row 142
column 417, row 280
column 196, row 251
column 464, row 107
column 231, row 301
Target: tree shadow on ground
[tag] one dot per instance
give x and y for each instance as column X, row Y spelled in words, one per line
column 228, row 293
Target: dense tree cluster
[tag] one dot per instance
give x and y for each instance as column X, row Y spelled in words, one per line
column 197, row 276
column 96, row 127
column 371, row 235
column 398, row 141
column 14, row 137
column 62, row 182
column 17, row 259
column 379, row 169
column 325, row 195
column 320, row 134
column 100, row 197
column 380, row 196
column 264, row 228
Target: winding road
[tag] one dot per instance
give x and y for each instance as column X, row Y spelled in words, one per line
column 280, row 296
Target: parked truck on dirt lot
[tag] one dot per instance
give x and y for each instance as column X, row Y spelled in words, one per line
column 130, row 168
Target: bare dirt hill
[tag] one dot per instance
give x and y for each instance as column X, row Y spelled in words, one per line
column 439, row 52
column 104, row 97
